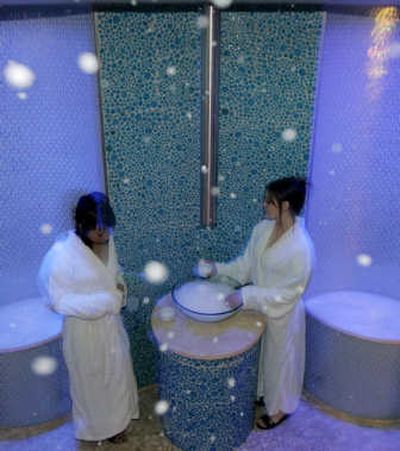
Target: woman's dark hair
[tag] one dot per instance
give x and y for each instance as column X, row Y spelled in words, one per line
column 93, row 210
column 290, row 189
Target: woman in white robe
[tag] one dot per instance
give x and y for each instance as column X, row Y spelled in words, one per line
column 276, row 267
column 80, row 275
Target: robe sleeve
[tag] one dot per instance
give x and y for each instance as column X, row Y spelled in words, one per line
column 278, row 301
column 66, row 300
column 240, row 268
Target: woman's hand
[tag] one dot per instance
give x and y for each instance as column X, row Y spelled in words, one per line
column 234, row 299
column 121, row 287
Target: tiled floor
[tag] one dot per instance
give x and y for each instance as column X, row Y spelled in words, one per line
column 308, row 430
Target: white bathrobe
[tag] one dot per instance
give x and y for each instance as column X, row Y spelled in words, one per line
column 95, row 344
column 278, row 276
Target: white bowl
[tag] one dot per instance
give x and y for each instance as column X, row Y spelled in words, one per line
column 204, row 301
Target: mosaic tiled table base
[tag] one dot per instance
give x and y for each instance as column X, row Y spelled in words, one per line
column 26, row 397
column 211, row 402
column 355, row 376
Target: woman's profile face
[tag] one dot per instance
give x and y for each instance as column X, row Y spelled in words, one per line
column 99, row 235
column 271, row 207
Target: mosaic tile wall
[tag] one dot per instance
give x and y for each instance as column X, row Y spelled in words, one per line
column 217, row 395
column 50, row 138
column 150, row 85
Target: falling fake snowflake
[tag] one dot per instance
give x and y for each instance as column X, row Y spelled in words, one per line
column 46, row 229
column 155, row 272
column 215, row 191
column 231, row 382
column 204, row 169
column 161, row 407
column 163, row 347
column 22, row 95
column 337, row 148
column 259, row 324
column 233, row 196
column 289, row 134
column 202, row 22
column 18, row 75
column 364, row 260
column 88, row 63
column 171, row 71
column 171, row 334
column 146, row 300
column 167, row 313
column 44, row 365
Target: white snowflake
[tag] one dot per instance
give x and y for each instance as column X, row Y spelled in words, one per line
column 167, row 313
column 155, row 272
column 289, row 134
column 364, row 260
column 163, row 347
column 202, row 22
column 204, row 169
column 22, row 95
column 171, row 334
column 44, row 365
column 88, row 63
column 233, row 196
column 215, row 191
column 171, row 71
column 337, row 148
column 231, row 382
column 46, row 229
column 161, row 407
column 18, row 75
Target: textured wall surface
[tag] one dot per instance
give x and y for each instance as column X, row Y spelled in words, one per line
column 150, row 85
column 50, row 139
column 353, row 206
column 217, row 395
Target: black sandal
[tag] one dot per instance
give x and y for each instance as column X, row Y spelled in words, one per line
column 266, row 422
column 260, row 402
column 122, row 437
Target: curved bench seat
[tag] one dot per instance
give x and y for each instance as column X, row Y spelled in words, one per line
column 33, row 376
column 353, row 354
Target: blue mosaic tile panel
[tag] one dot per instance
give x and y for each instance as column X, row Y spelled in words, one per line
column 150, row 86
column 50, row 138
column 356, row 157
column 211, row 402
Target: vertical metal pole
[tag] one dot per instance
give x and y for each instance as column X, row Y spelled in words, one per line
column 209, row 117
